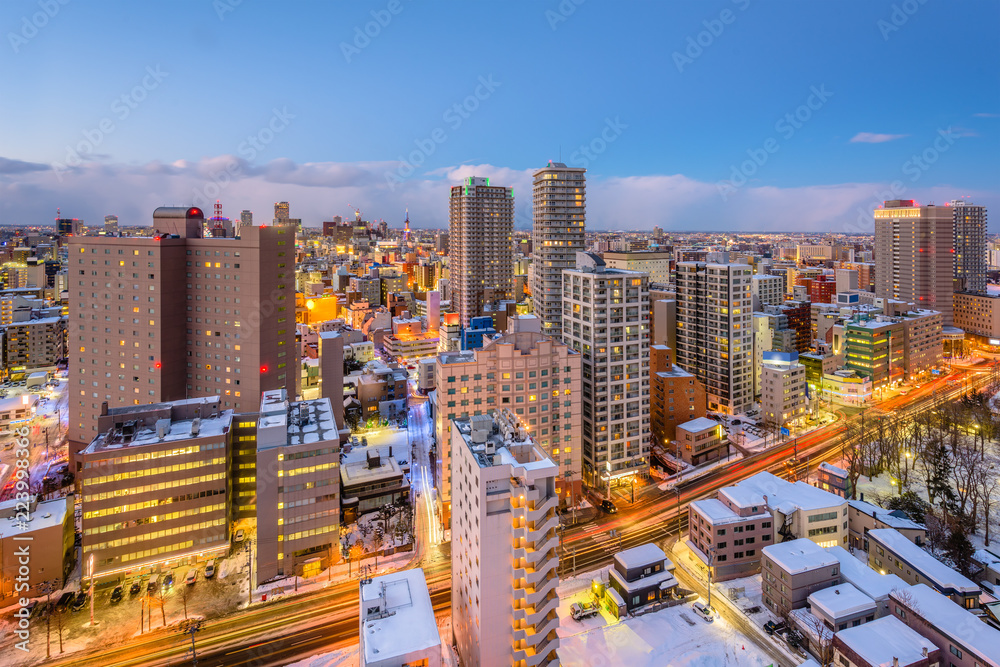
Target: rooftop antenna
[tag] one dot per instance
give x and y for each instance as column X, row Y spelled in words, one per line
column 218, row 208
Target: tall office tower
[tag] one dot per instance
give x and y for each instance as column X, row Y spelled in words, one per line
column 69, row 226
column 914, row 255
column 714, row 332
column 504, row 576
column 560, row 212
column 606, row 319
column 280, row 211
column 970, row 245
column 179, row 316
column 246, row 218
column 111, row 224
column 481, row 236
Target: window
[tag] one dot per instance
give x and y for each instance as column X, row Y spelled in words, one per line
column 954, row 651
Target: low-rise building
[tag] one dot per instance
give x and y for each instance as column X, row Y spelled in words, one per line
column 35, row 343
column 729, row 535
column 640, row 576
column 397, row 625
column 783, row 388
column 963, row 639
column 863, row 517
column 875, row 585
column 371, row 482
column 842, row 606
column 43, row 534
column 978, row 315
column 791, row 571
column 675, row 396
column 702, row 440
column 846, row 387
column 833, row 479
column 890, row 551
column 884, row 642
column 381, row 390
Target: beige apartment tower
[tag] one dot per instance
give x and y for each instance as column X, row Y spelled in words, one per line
column 176, row 316
column 915, row 255
column 559, row 200
column 481, row 253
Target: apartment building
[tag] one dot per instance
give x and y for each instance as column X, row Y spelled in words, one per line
column 163, row 318
column 559, row 210
column 767, row 291
column 481, row 245
column 915, row 247
column 791, row 571
column 534, row 376
column 841, row 606
column 891, row 552
column 369, row 289
column 397, row 624
column 298, row 487
column 154, row 486
column 978, row 315
column 783, row 388
column 381, row 391
column 923, row 343
column 48, row 537
column 714, row 333
column 875, row 585
column 962, row 637
column 606, row 318
column 864, row 517
column 652, row 262
column 970, row 245
column 729, row 535
column 701, row 440
column 675, row 396
column 34, row 343
column 886, row 641
column 504, row 565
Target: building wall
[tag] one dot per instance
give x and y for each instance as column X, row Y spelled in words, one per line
column 978, row 314
column 940, row 638
column 783, row 591
column 675, row 396
column 731, row 560
column 783, row 392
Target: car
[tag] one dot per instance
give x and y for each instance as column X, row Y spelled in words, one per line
column 210, row 569
column 136, row 586
column 154, row 583
column 609, row 507
column 771, row 627
column 65, row 600
column 117, row 594
column 239, row 536
column 168, row 580
column 706, row 613
column 191, row 577
column 80, row 601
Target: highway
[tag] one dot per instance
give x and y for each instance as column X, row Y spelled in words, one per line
column 293, row 628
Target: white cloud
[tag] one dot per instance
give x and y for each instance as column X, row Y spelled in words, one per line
column 875, row 138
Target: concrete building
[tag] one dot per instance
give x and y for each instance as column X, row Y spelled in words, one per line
column 504, row 578
column 701, row 440
column 640, row 576
column 45, row 540
column 652, row 262
column 714, row 334
column 875, row 585
column 534, row 376
column 864, row 517
column 791, row 571
column 178, row 315
column 842, row 606
column 381, row 391
column 963, row 639
column 298, row 487
column 34, row 343
column 481, row 246
column 729, row 532
column 783, row 388
column 887, row 641
column 915, row 247
column 606, row 318
column 559, row 200
column 663, row 324
column 970, row 246
column 891, row 552
column 767, row 291
column 397, row 623
column 874, row 348
column 155, row 486
column 978, row 315
column 675, row 396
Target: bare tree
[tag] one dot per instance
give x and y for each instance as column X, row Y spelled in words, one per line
column 821, row 640
column 987, row 485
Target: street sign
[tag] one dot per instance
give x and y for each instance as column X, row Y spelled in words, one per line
column 785, row 431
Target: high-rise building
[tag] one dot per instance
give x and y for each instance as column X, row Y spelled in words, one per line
column 783, row 388
column 281, row 212
column 69, row 226
column 481, row 256
column 970, row 245
column 767, row 291
column 179, row 316
column 606, row 319
column 714, row 332
column 559, row 199
column 504, row 576
column 915, row 251
column 246, row 218
column 111, row 224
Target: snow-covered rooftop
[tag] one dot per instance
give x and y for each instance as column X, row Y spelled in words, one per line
column 884, row 515
column 952, row 620
column 718, row 513
column 940, row 574
column 829, row 467
column 642, row 555
column 698, row 425
column 799, row 556
column 664, row 579
column 397, row 617
column 786, row 496
column 840, row 601
column 884, row 639
column 867, row 580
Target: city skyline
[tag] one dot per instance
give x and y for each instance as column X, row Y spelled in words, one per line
column 731, row 156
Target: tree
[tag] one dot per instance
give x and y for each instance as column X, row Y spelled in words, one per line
column 960, row 550
column 987, row 481
column 915, row 507
column 378, row 539
column 159, row 601
column 937, row 473
column 185, row 591
column 823, row 645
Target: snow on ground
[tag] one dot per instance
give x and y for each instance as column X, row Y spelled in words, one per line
column 347, row 657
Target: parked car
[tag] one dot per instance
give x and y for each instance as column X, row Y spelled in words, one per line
column 154, row 583
column 239, row 536
column 210, row 569
column 117, row 594
column 136, row 586
column 80, row 602
column 168, row 580
column 191, row 577
column 772, row 627
column 704, row 611
column 65, row 600
column 609, row 507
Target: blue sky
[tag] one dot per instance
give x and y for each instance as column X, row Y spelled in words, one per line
column 688, row 110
